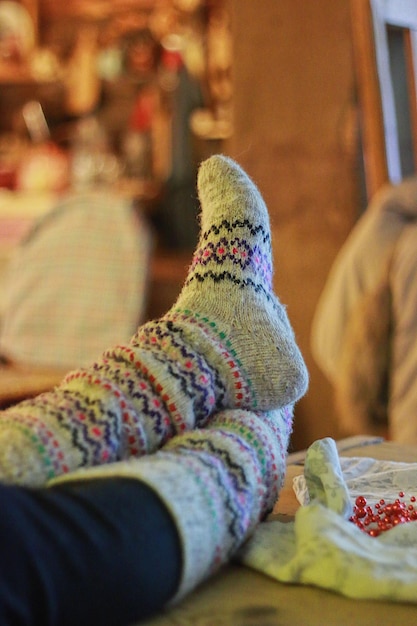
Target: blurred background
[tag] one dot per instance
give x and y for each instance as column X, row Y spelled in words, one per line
column 132, row 94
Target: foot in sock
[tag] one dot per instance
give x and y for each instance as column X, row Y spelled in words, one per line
column 227, row 313
column 217, row 483
column 226, row 343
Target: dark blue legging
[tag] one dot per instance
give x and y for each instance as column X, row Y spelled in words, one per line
column 101, row 552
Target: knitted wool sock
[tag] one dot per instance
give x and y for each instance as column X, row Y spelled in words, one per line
column 226, row 343
column 218, row 483
column 227, row 311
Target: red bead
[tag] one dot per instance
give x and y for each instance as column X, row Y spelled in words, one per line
column 382, row 517
column 360, row 502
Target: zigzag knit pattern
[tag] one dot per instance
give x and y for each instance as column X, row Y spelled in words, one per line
column 226, row 343
column 218, row 483
column 128, row 404
column 234, row 471
column 252, row 258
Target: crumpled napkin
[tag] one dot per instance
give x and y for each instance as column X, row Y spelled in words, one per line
column 323, row 548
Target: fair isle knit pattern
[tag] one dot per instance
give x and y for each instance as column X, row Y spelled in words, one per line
column 230, row 285
column 268, row 434
column 253, row 259
column 218, row 483
column 227, row 343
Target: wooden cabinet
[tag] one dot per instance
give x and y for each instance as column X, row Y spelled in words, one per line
column 167, row 273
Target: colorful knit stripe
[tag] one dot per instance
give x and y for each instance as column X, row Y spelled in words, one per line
column 215, row 483
column 253, row 435
column 132, row 431
column 197, row 379
column 227, row 473
column 250, row 260
column 167, row 401
column 87, row 433
column 153, row 408
column 247, row 256
column 217, row 454
column 97, row 427
column 42, row 441
column 210, row 479
column 221, row 343
column 268, row 435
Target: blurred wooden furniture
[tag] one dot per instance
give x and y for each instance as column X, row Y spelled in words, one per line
column 239, row 596
column 385, row 48
column 167, row 274
column 19, row 382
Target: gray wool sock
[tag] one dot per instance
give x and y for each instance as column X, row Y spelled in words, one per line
column 218, row 483
column 226, row 343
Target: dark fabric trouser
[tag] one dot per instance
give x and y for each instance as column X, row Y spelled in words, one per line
column 97, row 553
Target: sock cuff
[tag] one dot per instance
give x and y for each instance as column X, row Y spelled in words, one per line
column 268, row 434
column 211, row 515
column 217, row 484
column 186, row 486
column 215, row 499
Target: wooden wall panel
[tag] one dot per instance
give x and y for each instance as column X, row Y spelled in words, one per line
column 295, row 121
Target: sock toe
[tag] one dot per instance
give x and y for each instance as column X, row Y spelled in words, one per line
column 226, row 191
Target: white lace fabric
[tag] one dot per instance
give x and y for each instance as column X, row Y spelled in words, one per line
column 323, row 548
column 374, row 479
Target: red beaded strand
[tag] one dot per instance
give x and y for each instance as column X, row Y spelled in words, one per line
column 383, row 516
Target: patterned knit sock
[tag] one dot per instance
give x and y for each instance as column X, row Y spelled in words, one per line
column 218, row 483
column 227, row 312
column 227, row 343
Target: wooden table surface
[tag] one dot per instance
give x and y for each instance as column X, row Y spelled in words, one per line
column 240, row 596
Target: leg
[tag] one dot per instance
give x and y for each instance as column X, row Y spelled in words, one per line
column 227, row 343
column 217, row 484
column 92, row 548
column 85, row 553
